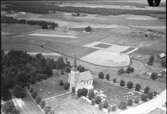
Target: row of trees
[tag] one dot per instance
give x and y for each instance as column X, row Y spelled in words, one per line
column 43, row 24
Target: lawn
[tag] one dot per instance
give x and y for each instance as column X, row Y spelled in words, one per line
column 115, row 94
column 50, row 87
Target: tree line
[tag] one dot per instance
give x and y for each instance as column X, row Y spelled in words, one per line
column 43, row 24
column 19, row 70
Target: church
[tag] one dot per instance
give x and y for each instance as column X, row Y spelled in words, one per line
column 80, row 80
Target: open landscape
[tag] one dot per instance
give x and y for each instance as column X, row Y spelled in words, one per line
column 105, row 37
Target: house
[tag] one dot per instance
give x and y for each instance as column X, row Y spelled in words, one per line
column 80, row 80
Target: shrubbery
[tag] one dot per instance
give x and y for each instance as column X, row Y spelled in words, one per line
column 97, row 100
column 101, row 75
column 130, row 85
column 146, row 89
column 42, row 104
column 114, row 80
column 137, row 87
column 122, row 83
column 82, row 92
column 91, row 94
column 61, row 83
column 66, row 86
column 38, row 100
column 88, row 29
column 154, row 76
column 130, row 102
column 108, row 77
column 144, row 97
column 123, row 105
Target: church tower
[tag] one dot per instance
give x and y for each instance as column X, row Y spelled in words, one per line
column 72, row 79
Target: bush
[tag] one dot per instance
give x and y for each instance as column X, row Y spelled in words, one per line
column 98, row 100
column 121, row 71
column 122, row 83
column 130, row 102
column 113, row 108
column 42, row 104
column 79, row 92
column 88, row 29
column 144, row 97
column 114, row 80
column 151, row 60
column 34, row 94
column 105, row 104
column 38, row 100
column 136, row 100
column 108, row 77
column 101, row 75
column 150, row 95
column 130, row 85
column 138, row 87
column 61, row 83
column 154, row 76
column 155, row 93
column 100, row 106
column 122, row 105
column 82, row 92
column 146, row 89
column 130, row 69
column 66, row 86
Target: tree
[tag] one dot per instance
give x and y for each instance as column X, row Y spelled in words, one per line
column 130, row 69
column 150, row 95
column 121, row 71
column 113, row 108
column 84, row 92
column 79, row 92
column 146, row 89
column 73, row 90
column 61, row 83
column 101, row 75
column 42, row 104
column 130, row 102
column 105, row 104
column 81, row 68
column 19, row 92
column 151, row 60
column 122, row 105
column 88, row 29
column 66, row 86
column 114, row 80
column 108, row 77
column 138, row 87
column 130, row 85
column 154, row 3
column 144, row 97
column 34, row 94
column 154, row 76
column 38, row 100
column 98, row 100
column 122, row 83
column 136, row 100
column 60, row 63
column 47, row 109
column 91, row 94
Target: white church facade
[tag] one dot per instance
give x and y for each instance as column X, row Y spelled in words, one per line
column 80, row 80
